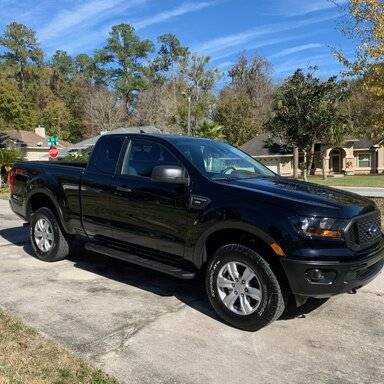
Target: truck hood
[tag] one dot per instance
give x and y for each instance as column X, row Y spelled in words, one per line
column 304, row 197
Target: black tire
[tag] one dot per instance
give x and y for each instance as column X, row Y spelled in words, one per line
column 60, row 246
column 272, row 303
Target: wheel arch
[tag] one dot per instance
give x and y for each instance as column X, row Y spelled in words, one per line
column 239, row 233
column 40, row 198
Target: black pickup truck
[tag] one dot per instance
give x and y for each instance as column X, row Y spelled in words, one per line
column 187, row 206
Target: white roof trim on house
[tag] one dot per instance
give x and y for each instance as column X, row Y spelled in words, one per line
column 266, row 156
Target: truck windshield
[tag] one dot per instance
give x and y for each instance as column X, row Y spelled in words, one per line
column 221, row 161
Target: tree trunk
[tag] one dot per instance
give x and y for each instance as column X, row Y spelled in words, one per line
column 309, row 160
column 295, row 162
column 304, row 167
column 323, row 166
column 1, row 176
column 174, row 84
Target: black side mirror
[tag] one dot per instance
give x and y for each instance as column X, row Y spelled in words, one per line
column 170, row 174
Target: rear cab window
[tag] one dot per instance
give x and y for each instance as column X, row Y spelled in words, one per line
column 106, row 154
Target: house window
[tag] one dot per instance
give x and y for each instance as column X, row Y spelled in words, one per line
column 364, row 160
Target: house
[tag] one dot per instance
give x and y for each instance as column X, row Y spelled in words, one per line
column 33, row 144
column 354, row 156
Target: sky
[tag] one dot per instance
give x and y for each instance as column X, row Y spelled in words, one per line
column 289, row 33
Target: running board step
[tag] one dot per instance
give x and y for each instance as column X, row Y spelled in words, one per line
column 142, row 261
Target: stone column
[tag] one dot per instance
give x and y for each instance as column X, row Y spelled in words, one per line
column 325, row 160
column 349, row 162
column 380, row 160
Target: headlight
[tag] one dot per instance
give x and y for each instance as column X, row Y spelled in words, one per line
column 323, row 227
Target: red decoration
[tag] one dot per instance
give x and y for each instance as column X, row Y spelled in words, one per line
column 53, row 152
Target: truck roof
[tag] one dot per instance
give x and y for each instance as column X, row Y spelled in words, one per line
column 165, row 136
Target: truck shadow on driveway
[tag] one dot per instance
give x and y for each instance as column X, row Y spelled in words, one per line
column 189, row 292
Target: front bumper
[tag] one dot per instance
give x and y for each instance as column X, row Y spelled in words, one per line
column 339, row 276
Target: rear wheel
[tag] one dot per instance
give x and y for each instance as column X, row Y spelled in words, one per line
column 47, row 238
column 243, row 289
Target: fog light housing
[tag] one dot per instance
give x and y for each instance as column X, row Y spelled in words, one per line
column 320, row 276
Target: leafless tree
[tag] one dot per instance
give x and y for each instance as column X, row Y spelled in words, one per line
column 155, row 106
column 245, row 103
column 104, row 110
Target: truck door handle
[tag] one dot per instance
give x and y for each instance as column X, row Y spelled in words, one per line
column 123, row 189
column 199, row 202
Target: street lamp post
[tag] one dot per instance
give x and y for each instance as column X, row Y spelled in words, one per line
column 188, row 97
column 189, row 115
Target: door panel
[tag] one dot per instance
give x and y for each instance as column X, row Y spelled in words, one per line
column 336, row 163
column 146, row 213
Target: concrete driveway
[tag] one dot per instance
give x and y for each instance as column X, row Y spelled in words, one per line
column 145, row 327
column 365, row 191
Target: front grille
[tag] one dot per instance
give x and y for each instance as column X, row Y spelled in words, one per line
column 364, row 231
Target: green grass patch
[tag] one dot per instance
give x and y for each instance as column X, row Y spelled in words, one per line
column 376, row 181
column 4, row 193
column 27, row 357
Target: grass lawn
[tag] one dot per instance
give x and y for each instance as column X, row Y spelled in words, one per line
column 351, row 181
column 4, row 193
column 27, row 357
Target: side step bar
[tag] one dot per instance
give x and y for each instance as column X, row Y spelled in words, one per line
column 142, row 261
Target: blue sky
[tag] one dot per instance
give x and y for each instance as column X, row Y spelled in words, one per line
column 289, row 33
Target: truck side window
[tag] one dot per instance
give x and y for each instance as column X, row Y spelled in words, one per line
column 106, row 153
column 143, row 155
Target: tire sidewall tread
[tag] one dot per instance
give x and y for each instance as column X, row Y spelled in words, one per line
column 273, row 302
column 60, row 247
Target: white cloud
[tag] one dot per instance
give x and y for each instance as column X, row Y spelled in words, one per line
column 225, row 64
column 88, row 12
column 256, row 45
column 222, row 43
column 301, row 8
column 321, row 60
column 298, row 48
column 170, row 14
column 87, row 24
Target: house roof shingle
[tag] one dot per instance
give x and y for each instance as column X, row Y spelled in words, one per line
column 260, row 146
column 27, row 139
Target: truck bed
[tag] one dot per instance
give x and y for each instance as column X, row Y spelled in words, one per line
column 59, row 180
column 46, row 163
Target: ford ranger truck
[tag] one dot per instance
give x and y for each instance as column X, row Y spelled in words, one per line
column 188, row 206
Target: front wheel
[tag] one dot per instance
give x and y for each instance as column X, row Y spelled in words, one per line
column 47, row 238
column 243, row 289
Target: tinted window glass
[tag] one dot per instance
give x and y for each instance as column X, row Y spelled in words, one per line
column 106, row 153
column 221, row 161
column 143, row 155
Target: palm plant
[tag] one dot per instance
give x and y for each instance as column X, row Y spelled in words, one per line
column 7, row 158
column 210, row 130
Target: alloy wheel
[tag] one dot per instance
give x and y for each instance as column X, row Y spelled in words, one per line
column 43, row 234
column 239, row 288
